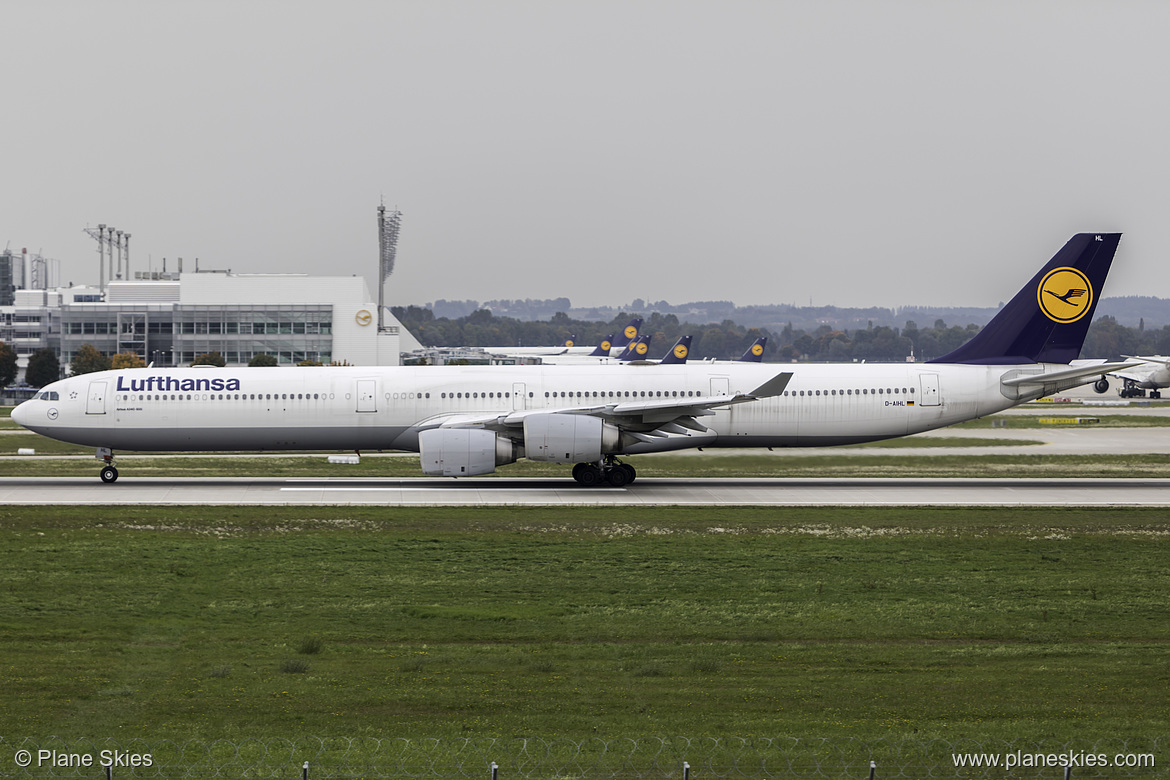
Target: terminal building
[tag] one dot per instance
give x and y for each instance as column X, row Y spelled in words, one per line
column 171, row 321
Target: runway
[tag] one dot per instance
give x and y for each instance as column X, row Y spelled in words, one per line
column 164, row 491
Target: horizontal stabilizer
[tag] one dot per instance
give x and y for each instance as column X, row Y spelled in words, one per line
column 1083, row 372
column 1149, row 359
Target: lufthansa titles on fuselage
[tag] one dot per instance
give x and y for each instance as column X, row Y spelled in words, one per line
column 168, row 384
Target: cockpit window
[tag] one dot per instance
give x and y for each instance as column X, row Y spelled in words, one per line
column 47, row 395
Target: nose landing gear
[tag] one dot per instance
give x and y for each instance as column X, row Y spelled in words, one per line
column 108, row 473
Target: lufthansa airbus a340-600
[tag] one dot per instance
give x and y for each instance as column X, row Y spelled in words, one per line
column 467, row 420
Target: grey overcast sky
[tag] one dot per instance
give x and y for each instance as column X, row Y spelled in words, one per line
column 850, row 153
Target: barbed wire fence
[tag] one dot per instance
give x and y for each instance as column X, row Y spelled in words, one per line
column 645, row 758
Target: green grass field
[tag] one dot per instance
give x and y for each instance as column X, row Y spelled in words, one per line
column 841, row 623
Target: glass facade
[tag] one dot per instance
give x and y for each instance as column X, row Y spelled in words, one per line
column 169, row 335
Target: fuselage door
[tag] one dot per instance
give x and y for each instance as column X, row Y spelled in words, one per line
column 519, row 399
column 720, row 385
column 95, row 403
column 930, row 392
column 367, row 395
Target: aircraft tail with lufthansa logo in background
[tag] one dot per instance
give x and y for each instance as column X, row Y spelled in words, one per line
column 755, row 353
column 636, row 349
column 678, row 353
column 628, row 334
column 1047, row 320
column 603, row 347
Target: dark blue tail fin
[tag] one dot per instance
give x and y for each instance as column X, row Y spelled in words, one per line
column 636, row 349
column 755, row 353
column 1047, row 320
column 571, row 341
column 603, row 347
column 628, row 334
column 678, row 353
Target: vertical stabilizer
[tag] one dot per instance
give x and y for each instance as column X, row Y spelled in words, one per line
column 755, row 353
column 1047, row 320
column 678, row 353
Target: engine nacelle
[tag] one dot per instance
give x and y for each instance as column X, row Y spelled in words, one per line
column 462, row 452
column 568, row 438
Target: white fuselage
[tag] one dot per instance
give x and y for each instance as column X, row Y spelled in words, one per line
column 384, row 408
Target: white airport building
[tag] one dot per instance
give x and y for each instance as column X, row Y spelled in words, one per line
column 171, row 321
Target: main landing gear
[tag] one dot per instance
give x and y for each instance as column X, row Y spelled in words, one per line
column 607, row 472
column 108, row 473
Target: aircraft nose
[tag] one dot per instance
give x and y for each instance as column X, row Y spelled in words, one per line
column 21, row 414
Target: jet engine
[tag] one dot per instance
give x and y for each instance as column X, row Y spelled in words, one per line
column 569, row 438
column 463, row 452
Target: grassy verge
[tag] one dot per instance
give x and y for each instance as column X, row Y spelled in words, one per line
column 1034, row 420
column 699, row 465
column 452, row 622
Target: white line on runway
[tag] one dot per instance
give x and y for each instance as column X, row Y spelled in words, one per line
column 437, row 488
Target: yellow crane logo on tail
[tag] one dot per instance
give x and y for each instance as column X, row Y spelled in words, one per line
column 1065, row 295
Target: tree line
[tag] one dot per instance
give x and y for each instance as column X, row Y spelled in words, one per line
column 726, row 341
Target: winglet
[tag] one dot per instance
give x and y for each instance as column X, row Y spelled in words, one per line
column 774, row 386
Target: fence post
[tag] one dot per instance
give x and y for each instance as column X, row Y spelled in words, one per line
column 109, row 772
column 686, row 771
column 495, row 771
column 872, row 768
column 305, row 771
column 1068, row 772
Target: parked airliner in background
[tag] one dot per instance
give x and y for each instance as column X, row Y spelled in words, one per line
column 610, row 345
column 1153, row 373
column 466, row 420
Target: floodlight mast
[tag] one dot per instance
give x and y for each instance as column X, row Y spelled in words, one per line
column 100, row 236
column 387, row 251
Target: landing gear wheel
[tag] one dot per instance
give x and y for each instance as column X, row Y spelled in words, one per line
column 587, row 476
column 632, row 475
column 109, row 474
column 618, row 476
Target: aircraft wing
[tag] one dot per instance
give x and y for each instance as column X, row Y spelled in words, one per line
column 1065, row 375
column 632, row 416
